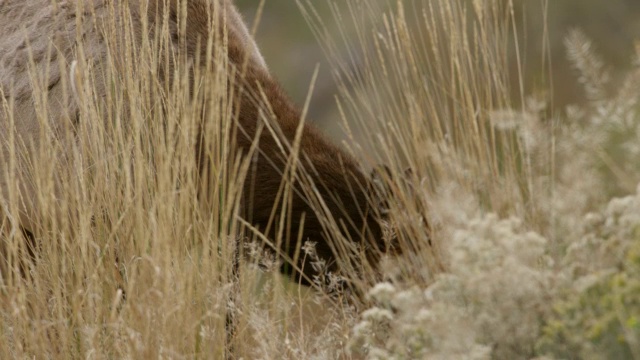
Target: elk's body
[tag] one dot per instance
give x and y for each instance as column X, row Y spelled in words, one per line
column 42, row 36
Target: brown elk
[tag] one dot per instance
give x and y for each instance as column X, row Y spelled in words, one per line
column 45, row 33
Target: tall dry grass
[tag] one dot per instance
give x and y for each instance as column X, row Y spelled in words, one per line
column 422, row 87
column 132, row 258
column 528, row 256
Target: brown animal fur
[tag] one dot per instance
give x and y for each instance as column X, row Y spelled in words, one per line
column 38, row 27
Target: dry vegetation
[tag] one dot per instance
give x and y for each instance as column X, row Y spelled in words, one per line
column 531, row 255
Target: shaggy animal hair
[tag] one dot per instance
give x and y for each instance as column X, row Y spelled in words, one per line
column 42, row 36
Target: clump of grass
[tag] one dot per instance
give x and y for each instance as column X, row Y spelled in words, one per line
column 125, row 254
column 422, row 88
column 507, row 190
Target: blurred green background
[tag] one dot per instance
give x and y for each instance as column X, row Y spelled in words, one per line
column 292, row 52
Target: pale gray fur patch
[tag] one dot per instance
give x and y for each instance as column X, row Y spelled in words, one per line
column 38, row 44
column 236, row 22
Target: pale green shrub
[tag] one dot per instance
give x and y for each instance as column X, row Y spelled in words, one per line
column 489, row 303
column 597, row 313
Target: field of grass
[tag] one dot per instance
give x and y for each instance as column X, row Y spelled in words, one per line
column 533, row 207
